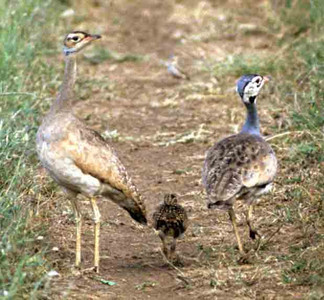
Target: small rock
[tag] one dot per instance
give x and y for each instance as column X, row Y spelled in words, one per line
column 53, row 273
column 68, row 13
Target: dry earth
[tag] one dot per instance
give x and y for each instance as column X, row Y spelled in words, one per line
column 161, row 128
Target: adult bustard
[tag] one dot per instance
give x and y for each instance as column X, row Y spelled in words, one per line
column 241, row 166
column 78, row 158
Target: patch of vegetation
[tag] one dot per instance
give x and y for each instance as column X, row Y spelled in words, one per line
column 100, row 55
column 303, row 163
column 25, row 81
column 247, row 64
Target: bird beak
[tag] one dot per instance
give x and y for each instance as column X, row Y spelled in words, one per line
column 266, row 78
column 93, row 37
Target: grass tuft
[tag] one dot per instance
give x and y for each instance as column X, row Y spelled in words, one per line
column 25, row 78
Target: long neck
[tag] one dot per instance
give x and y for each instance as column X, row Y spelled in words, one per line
column 63, row 100
column 251, row 124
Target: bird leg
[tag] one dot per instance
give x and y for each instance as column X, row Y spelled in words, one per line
column 173, row 248
column 78, row 222
column 164, row 246
column 96, row 220
column 253, row 232
column 233, row 220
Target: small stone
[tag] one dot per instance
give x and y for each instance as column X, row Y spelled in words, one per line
column 53, row 273
column 68, row 13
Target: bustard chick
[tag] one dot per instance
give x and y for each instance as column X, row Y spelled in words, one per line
column 78, row 158
column 170, row 219
column 241, row 166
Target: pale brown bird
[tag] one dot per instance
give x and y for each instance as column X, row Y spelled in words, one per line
column 242, row 166
column 78, row 158
column 170, row 219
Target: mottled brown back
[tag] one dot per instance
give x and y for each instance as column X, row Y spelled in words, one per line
column 237, row 163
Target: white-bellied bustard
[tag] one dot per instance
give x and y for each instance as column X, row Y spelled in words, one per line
column 241, row 166
column 78, row 158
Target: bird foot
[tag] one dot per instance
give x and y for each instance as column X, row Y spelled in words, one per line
column 177, row 261
column 244, row 258
column 254, row 234
column 77, row 271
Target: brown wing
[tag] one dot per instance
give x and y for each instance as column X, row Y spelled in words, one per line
column 94, row 156
column 239, row 161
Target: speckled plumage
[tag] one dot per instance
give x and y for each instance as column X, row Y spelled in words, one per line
column 81, row 161
column 238, row 167
column 78, row 158
column 170, row 219
column 242, row 166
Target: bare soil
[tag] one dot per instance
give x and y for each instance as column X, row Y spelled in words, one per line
column 163, row 128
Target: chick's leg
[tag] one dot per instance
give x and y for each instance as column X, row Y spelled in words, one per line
column 173, row 248
column 164, row 246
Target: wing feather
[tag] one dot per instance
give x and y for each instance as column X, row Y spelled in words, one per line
column 94, row 156
column 235, row 163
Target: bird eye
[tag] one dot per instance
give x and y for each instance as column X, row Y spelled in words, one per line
column 75, row 38
column 257, row 81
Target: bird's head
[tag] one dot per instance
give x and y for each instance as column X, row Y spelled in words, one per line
column 170, row 199
column 249, row 87
column 77, row 40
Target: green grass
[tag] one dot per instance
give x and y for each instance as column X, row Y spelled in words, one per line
column 303, row 71
column 25, row 80
column 100, row 55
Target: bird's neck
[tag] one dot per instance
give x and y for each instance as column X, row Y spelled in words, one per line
column 251, row 124
column 64, row 98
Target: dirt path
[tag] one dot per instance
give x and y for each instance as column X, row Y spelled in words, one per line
column 163, row 128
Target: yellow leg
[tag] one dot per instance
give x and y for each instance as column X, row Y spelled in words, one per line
column 233, row 219
column 78, row 221
column 96, row 219
column 253, row 232
column 164, row 246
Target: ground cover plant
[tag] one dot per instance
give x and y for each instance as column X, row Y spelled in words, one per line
column 25, row 81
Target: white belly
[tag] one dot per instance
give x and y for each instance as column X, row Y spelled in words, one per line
column 65, row 172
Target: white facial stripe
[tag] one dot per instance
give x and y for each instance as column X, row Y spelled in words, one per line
column 251, row 89
column 257, row 78
column 74, row 37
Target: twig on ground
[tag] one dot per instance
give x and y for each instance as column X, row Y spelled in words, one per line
column 180, row 274
column 281, row 134
column 268, row 239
